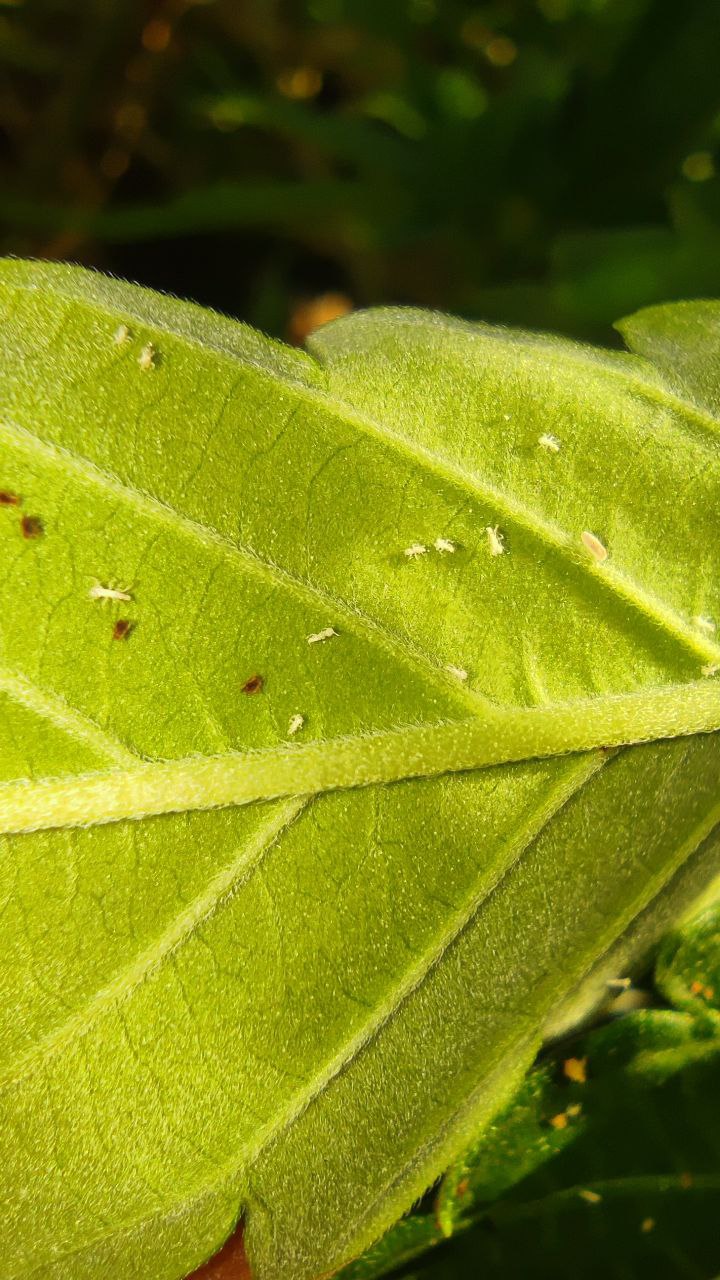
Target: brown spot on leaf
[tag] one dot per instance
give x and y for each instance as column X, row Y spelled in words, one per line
column 8, row 499
column 32, row 527
column 253, row 685
column 122, row 629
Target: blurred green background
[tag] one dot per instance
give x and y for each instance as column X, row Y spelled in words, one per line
column 548, row 162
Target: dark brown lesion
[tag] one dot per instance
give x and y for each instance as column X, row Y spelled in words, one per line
column 253, row 685
column 9, row 499
column 32, row 527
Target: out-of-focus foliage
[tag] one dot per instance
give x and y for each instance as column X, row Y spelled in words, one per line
column 547, row 161
column 606, row 1163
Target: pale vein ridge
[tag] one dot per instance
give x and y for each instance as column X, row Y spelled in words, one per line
column 199, row 911
column 501, row 736
column 249, row 560
column 51, row 707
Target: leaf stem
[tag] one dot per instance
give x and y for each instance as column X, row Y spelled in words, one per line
column 497, row 737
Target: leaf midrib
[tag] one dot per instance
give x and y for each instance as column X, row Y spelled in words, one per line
column 503, row 736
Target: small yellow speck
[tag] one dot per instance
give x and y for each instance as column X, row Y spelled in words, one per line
column 444, row 544
column 122, row 335
column 575, row 1069
column 573, row 1111
column 559, row 1121
column 590, row 1197
column 300, row 83
column 647, row 1225
column 415, row 551
column 501, row 51
column 296, row 723
column 699, row 166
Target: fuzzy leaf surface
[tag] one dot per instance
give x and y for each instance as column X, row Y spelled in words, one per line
column 244, row 971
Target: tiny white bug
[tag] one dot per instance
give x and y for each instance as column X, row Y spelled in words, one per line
column 326, row 634
column 619, row 984
column 146, row 359
column 122, row 335
column 594, row 546
column 549, row 442
column 98, row 592
column 704, row 624
column 296, row 722
column 457, row 672
column 417, row 549
column 444, row 544
column 711, row 669
column 496, row 540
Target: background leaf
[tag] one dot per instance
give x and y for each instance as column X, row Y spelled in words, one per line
column 613, row 1173
column 304, row 1009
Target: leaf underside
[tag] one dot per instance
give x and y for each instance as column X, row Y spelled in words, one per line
column 301, row 1008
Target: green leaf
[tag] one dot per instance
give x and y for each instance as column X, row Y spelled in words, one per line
column 288, row 975
column 614, row 1137
column 631, row 1187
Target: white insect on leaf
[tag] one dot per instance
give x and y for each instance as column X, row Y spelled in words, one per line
column 319, row 636
column 98, row 592
column 549, row 442
column 496, row 540
column 458, row 672
column 594, row 546
column 444, row 544
column 417, row 549
column 711, row 669
column 122, row 335
column 146, row 359
column 704, row 624
column 296, row 723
